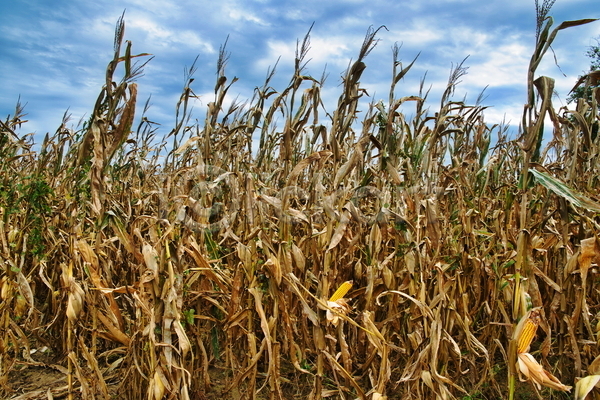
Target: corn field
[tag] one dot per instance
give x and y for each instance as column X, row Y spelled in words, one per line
column 205, row 264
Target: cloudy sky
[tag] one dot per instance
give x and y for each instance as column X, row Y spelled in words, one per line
column 53, row 54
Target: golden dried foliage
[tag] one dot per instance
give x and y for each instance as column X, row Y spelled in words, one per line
column 146, row 264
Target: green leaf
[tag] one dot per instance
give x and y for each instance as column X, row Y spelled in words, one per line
column 564, row 191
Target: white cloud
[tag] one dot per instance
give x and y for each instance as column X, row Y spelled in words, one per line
column 237, row 12
column 419, row 35
column 333, row 51
column 103, row 27
column 504, row 65
column 163, row 36
column 161, row 8
column 510, row 114
column 294, row 14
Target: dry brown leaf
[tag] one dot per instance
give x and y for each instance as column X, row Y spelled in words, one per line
column 340, row 230
column 361, row 394
column 594, row 367
column 25, row 291
column 184, row 342
column 118, row 334
column 274, row 267
column 157, row 386
column 590, row 251
column 530, row 369
column 317, row 156
column 585, row 385
column 298, row 258
column 335, row 309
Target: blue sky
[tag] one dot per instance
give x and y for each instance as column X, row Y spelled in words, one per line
column 53, row 54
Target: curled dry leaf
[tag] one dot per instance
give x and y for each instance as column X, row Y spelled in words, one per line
column 585, row 385
column 531, row 369
column 75, row 293
column 157, row 386
column 590, row 251
column 594, row 367
column 274, row 268
column 337, row 307
column 6, row 290
column 74, row 303
column 151, row 258
column 25, row 290
column 340, row 230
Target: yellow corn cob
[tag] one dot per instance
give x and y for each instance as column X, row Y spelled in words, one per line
column 528, row 333
column 342, row 290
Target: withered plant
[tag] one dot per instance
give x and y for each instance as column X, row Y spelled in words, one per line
column 199, row 265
